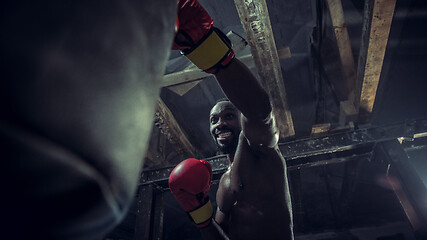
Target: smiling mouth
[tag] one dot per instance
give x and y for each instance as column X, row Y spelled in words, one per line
column 224, row 136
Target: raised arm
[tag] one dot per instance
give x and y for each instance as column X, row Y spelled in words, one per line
column 209, row 50
column 244, row 91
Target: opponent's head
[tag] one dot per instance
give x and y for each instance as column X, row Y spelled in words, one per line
column 224, row 121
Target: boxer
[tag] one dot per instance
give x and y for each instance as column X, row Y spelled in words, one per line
column 253, row 194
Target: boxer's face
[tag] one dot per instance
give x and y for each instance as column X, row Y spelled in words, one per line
column 225, row 126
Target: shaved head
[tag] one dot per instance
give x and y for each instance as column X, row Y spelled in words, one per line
column 225, row 126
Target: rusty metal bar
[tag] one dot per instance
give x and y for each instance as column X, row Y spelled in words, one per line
column 334, row 148
column 351, row 139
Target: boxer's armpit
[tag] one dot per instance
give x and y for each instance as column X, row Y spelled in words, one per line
column 261, row 134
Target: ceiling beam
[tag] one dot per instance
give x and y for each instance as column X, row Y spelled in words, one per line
column 256, row 23
column 346, row 90
column 378, row 15
column 167, row 123
column 195, row 74
column 344, row 46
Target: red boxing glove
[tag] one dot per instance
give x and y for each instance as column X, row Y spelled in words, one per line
column 207, row 47
column 193, row 22
column 189, row 182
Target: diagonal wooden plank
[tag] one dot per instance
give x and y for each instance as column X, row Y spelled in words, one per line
column 256, row 23
column 195, row 74
column 344, row 90
column 378, row 15
column 182, row 89
column 344, row 47
column 165, row 120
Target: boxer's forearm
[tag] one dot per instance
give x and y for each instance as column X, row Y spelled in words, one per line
column 244, row 91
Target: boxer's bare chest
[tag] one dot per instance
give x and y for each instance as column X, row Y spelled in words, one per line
column 255, row 191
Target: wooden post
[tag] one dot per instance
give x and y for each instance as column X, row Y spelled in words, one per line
column 256, row 23
column 378, row 15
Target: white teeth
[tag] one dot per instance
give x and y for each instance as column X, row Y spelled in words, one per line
column 224, row 135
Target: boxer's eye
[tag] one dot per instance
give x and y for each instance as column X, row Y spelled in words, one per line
column 229, row 116
column 214, row 120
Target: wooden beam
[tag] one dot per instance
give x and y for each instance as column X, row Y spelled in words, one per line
column 344, row 47
column 182, row 77
column 320, row 128
column 256, row 23
column 183, row 88
column 346, row 95
column 378, row 15
column 348, row 112
column 195, row 74
column 165, row 120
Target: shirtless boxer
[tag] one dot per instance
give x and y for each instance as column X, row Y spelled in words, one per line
column 253, row 195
